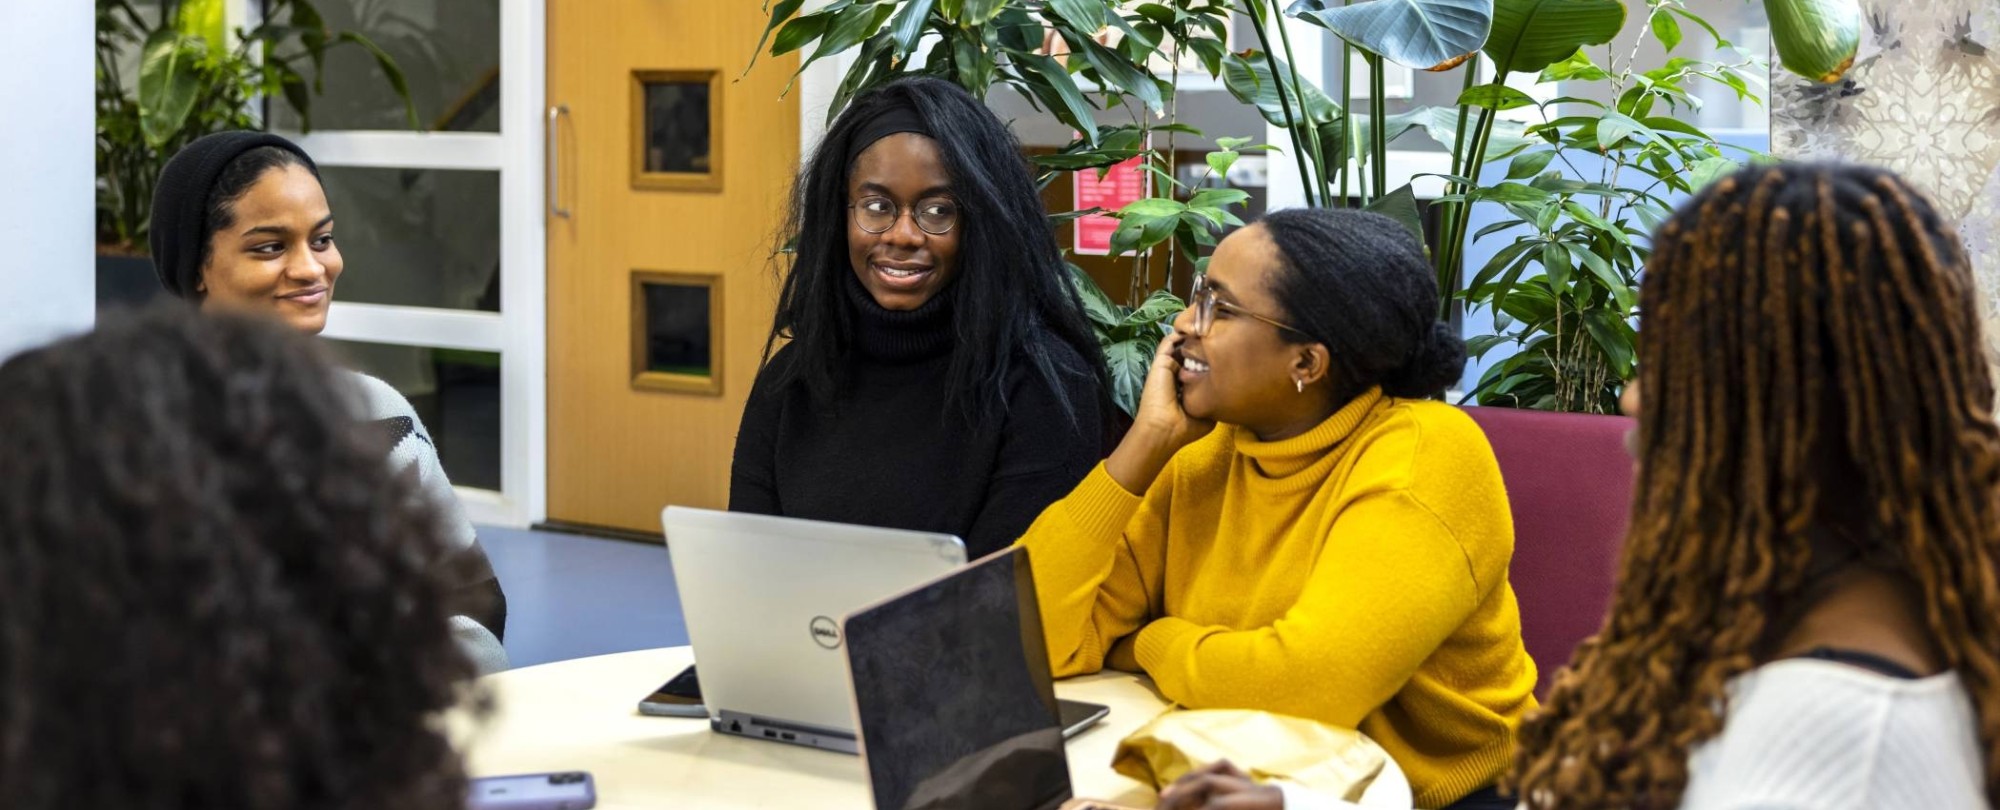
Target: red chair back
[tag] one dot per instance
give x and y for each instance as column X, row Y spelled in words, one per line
column 1569, row 483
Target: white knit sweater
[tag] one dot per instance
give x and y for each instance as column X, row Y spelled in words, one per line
column 1817, row 735
column 381, row 403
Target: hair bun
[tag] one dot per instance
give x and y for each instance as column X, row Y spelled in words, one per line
column 1432, row 368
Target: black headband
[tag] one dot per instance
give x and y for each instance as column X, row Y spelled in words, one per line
column 180, row 202
column 896, row 119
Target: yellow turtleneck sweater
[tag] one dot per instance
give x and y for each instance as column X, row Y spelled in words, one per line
column 1355, row 575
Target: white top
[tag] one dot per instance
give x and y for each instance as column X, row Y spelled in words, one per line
column 414, row 450
column 1805, row 734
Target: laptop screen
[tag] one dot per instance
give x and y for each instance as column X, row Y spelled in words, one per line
column 957, row 709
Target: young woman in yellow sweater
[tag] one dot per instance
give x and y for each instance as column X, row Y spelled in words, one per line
column 1290, row 526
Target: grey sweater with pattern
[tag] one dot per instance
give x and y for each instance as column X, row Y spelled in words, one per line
column 482, row 606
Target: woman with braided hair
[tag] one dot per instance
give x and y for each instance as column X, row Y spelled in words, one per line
column 1293, row 526
column 1807, row 614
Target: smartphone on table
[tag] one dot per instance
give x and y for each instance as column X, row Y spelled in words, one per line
column 679, row 697
column 568, row 790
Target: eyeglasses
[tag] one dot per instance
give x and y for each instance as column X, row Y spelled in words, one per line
column 1205, row 300
column 935, row 215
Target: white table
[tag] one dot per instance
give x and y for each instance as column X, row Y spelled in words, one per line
column 583, row 715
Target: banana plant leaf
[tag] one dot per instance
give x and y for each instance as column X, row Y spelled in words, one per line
column 1529, row 35
column 168, row 84
column 1817, row 39
column 1248, row 77
column 1427, row 34
column 204, row 19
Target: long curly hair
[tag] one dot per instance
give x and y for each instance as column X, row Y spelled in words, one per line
column 1811, row 366
column 216, row 593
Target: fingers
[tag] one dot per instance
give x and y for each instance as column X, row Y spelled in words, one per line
column 1261, row 797
column 1227, row 768
column 1163, row 355
column 1201, row 789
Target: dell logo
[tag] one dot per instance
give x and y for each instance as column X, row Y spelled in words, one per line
column 825, row 633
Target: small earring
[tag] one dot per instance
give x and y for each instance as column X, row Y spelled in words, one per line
column 1300, row 384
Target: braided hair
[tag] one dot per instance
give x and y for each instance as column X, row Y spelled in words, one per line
column 1810, row 364
column 217, row 595
column 1357, row 282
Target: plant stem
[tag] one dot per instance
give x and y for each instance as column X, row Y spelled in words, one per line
column 1312, row 127
column 1346, row 117
column 1448, row 281
column 1378, row 107
column 1173, row 162
column 1450, row 252
column 1256, row 14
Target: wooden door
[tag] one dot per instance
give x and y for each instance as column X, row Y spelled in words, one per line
column 669, row 180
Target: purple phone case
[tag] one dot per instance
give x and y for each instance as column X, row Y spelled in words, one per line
column 565, row 790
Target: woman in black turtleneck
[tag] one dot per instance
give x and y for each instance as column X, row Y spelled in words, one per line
column 936, row 370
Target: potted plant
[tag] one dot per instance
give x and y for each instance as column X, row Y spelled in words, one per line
column 194, row 77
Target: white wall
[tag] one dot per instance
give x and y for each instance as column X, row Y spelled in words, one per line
column 48, row 278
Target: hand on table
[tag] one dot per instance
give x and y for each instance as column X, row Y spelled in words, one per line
column 1221, row 786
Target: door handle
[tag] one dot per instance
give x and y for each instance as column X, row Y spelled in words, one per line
column 553, row 156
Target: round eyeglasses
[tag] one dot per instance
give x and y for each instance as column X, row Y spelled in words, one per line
column 1205, row 300
column 935, row 215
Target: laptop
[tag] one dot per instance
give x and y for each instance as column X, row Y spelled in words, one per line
column 762, row 597
column 953, row 697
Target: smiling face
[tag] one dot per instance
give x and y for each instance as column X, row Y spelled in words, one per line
column 276, row 256
column 1246, row 371
column 904, row 266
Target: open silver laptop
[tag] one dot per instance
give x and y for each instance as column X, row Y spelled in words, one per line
column 763, row 598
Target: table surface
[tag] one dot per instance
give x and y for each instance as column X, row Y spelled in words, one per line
column 583, row 715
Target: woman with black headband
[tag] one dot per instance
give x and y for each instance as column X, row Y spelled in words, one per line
column 241, row 223
column 936, row 371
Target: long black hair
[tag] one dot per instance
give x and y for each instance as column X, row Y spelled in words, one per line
column 216, row 594
column 1012, row 293
column 1358, row 283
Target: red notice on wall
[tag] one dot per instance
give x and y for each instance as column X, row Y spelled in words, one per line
column 1124, row 184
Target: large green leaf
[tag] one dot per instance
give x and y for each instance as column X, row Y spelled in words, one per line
column 980, row 12
column 1509, row 137
column 1393, row 127
column 853, row 26
column 1096, row 305
column 1122, row 74
column 1710, row 170
column 1428, row 34
column 168, row 84
column 1401, row 206
column 1158, row 308
column 908, row 26
column 1817, row 39
column 203, row 19
column 784, row 11
column 797, row 33
column 1529, row 35
column 1248, row 77
column 1056, row 89
column 1086, row 15
column 1128, row 362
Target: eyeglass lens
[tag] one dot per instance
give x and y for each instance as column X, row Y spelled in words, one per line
column 936, row 215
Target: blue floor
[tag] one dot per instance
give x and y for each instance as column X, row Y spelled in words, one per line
column 570, row 596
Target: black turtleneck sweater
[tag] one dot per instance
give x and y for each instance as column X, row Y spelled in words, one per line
column 886, row 452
